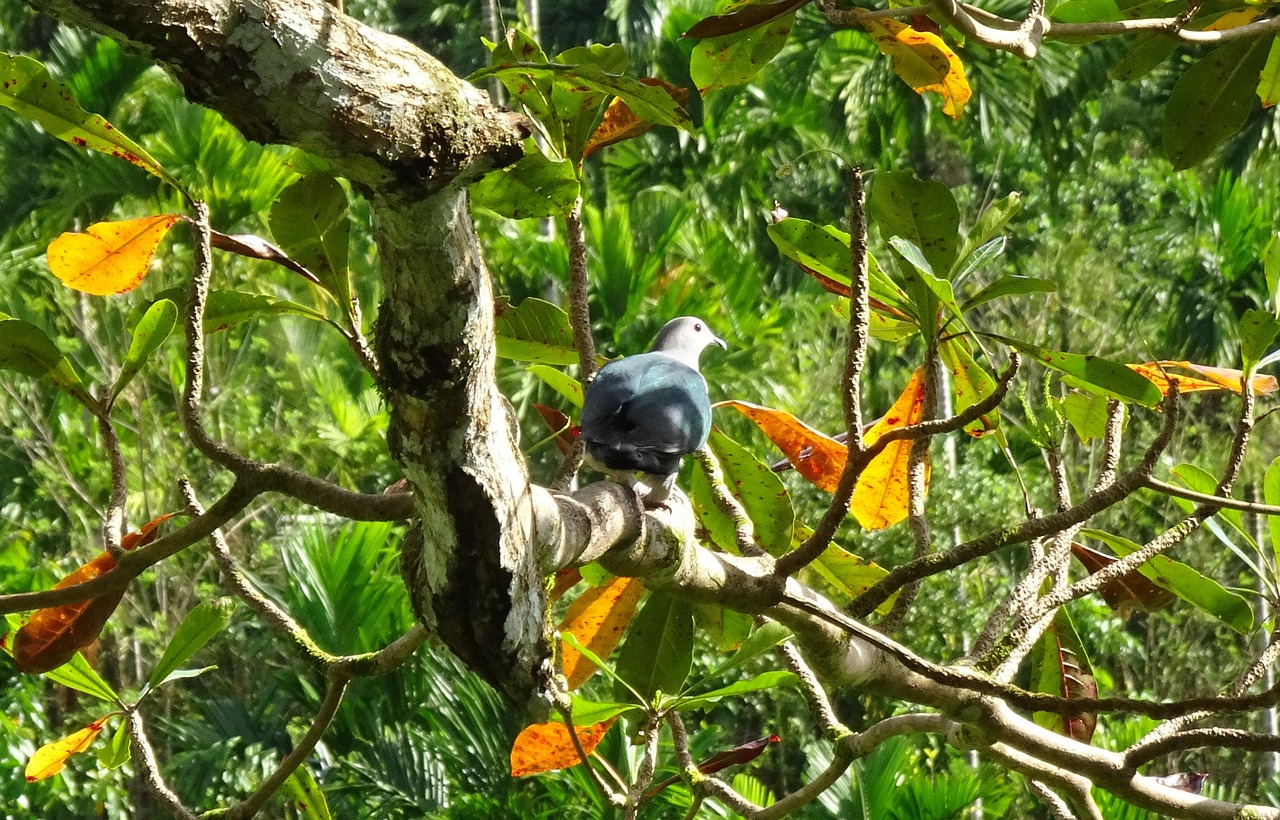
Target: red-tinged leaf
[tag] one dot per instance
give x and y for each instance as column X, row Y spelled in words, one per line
column 1060, row 667
column 559, row 424
column 598, row 619
column 1229, row 378
column 566, row 579
column 737, row 755
column 882, row 497
column 923, row 60
column 1130, row 591
column 255, row 247
column 51, row 758
column 816, row 456
column 545, row 747
column 109, row 257
column 620, row 123
column 55, row 634
column 742, row 18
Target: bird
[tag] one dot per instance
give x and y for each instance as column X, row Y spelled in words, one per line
column 643, row 413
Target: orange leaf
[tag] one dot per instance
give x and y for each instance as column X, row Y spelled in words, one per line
column 597, row 619
column 109, row 257
column 1130, row 591
column 815, row 456
column 544, row 747
column 1215, row 378
column 620, row 123
column 882, row 497
column 924, row 61
column 51, row 758
column 566, row 579
column 54, row 634
column 558, row 422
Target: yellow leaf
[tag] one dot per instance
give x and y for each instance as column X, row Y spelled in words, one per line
column 109, row 257
column 1218, row 378
column 882, row 498
column 598, row 618
column 50, row 758
column 544, row 747
column 924, row 61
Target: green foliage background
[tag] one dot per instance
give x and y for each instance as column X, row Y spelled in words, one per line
column 1150, row 264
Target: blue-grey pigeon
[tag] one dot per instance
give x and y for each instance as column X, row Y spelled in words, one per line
column 642, row 413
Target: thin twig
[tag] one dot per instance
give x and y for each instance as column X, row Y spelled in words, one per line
column 113, row 525
column 145, row 758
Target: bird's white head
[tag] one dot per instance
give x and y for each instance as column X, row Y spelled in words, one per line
column 685, row 338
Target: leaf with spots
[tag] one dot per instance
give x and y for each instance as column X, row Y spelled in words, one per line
column 109, row 257
column 757, row 488
column 598, row 619
column 533, row 331
column 733, row 59
column 620, row 123
column 311, row 221
column 881, row 497
column 924, row 61
column 305, row 795
column 923, row 212
column 1092, row 373
column 534, row 187
column 27, row 88
column 1212, row 99
column 741, row 17
column 815, row 455
column 51, row 758
column 545, row 747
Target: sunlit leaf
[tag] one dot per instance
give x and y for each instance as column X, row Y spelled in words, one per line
column 207, row 619
column 533, row 188
column 733, row 59
column 1269, row 79
column 1087, row 414
column 109, row 257
column 311, row 221
column 1093, row 372
column 534, row 331
column 761, row 492
column 598, row 619
column 971, row 382
column 851, row 575
column 51, row 758
column 545, row 747
column 1010, row 286
column 620, row 123
column 923, row 61
column 1258, row 329
column 923, row 212
column 989, row 225
column 1271, row 495
column 567, row 386
column 305, row 795
column 225, row 309
column 27, row 88
column 117, row 751
column 766, row 680
column 151, row 331
column 816, row 456
column 1271, row 264
column 882, row 497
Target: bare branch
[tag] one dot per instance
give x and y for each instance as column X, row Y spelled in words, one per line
column 145, row 757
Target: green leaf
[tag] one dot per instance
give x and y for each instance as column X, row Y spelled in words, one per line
column 79, row 675
column 1092, row 373
column 851, row 575
column 202, row 623
column 1258, row 330
column 148, row 334
column 1149, row 50
column 567, row 386
column 1188, row 584
column 1271, row 268
column 760, row 641
column 826, row 250
column 760, row 491
column 733, row 59
column 922, row 212
column 766, row 680
column 533, row 92
column 1201, row 481
column 1087, row 414
column 589, row 712
column 1271, row 495
column 1212, row 99
column 971, row 382
column 1010, row 286
column 657, row 653
column 227, row 308
column 727, row 628
column 1087, row 11
column 118, row 750
column 534, row 187
column 27, row 349
column 535, row 331
column 979, row 259
column 28, row 89
column 311, row 221
column 989, row 225
column 1059, row 666
column 305, row 796
column 1269, row 80
column 182, row 674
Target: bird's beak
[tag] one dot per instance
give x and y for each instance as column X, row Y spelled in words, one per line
column 721, row 342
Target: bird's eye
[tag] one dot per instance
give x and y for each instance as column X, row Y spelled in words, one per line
column 697, row 327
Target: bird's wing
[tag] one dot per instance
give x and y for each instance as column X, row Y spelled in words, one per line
column 648, row 402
